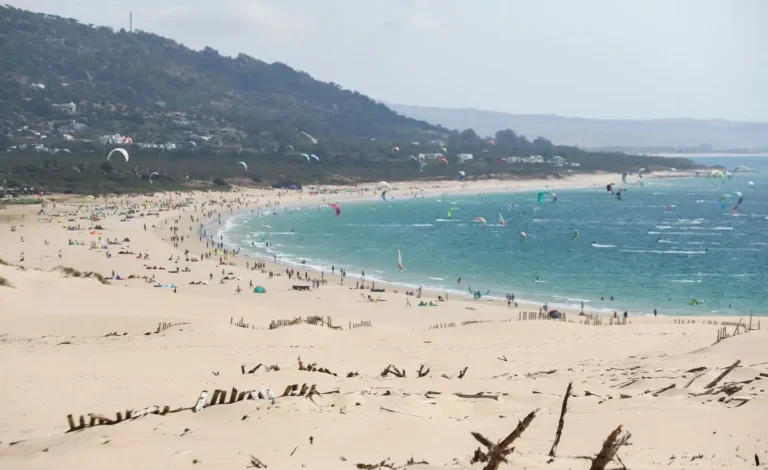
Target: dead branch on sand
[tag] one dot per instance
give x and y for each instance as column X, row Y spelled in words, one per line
column 394, row 371
column 413, row 462
column 256, row 463
column 421, row 372
column 561, row 423
column 662, row 390
column 242, row 369
column 477, row 395
column 498, row 453
column 541, row 372
column 725, row 372
column 313, row 368
column 612, row 443
column 382, row 464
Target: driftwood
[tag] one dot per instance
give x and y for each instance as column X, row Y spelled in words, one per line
column 313, row 368
column 497, row 453
column 394, row 371
column 502, row 358
column 611, row 445
column 561, row 423
column 725, row 372
column 382, row 464
column 477, row 395
column 696, row 369
column 421, row 372
column 743, row 400
column 541, row 372
column 392, row 410
column 242, row 369
column 662, row 390
column 256, row 463
column 694, row 378
column 463, row 372
column 627, row 383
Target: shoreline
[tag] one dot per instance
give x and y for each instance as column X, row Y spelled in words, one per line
column 448, row 189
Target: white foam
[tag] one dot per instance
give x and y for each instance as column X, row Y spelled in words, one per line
column 671, row 252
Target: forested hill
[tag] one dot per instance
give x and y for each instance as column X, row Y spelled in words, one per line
column 123, row 82
column 69, row 93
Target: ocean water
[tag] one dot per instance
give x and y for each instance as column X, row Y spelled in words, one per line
column 661, row 247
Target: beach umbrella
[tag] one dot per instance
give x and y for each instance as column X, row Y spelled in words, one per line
column 259, row 290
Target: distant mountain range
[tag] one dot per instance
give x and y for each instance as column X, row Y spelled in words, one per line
column 645, row 136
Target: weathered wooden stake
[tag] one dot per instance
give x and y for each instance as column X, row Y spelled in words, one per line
column 561, row 423
column 725, row 372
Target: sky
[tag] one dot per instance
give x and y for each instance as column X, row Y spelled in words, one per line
column 633, row 59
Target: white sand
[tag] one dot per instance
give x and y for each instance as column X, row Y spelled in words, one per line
column 45, row 380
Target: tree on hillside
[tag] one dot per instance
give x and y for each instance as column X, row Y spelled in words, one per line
column 107, row 167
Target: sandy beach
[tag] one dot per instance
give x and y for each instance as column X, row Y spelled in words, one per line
column 104, row 351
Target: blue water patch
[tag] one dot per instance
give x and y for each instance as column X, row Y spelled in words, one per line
column 661, row 247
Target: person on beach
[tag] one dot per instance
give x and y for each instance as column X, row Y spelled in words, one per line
column 407, row 303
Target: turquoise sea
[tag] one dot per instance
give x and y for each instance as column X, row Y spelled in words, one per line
column 664, row 246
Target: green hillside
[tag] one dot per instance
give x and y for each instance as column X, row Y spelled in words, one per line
column 70, row 92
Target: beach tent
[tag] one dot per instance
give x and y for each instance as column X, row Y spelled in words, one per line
column 259, row 290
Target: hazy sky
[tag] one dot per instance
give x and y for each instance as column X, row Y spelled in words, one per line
column 590, row 58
